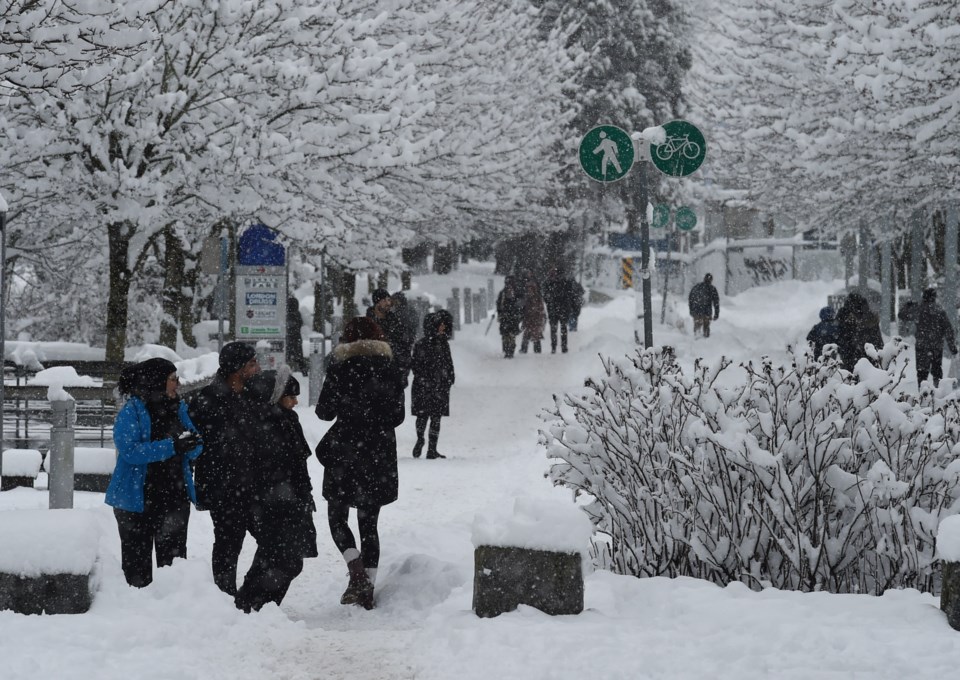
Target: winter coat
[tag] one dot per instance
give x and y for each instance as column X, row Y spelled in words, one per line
column 823, row 333
column 395, row 327
column 509, row 311
column 576, row 298
column 136, row 451
column 281, row 490
column 558, row 294
column 363, row 391
column 933, row 328
column 704, row 301
column 432, row 371
column 858, row 326
column 534, row 316
column 222, row 416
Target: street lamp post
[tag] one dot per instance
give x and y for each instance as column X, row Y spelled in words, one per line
column 3, row 313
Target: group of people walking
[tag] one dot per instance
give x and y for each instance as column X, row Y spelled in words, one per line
column 855, row 326
column 524, row 309
column 238, row 450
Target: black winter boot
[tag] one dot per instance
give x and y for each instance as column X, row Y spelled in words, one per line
column 359, row 590
column 418, row 448
column 432, row 449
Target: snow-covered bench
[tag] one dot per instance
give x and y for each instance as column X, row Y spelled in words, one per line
column 92, row 468
column 47, row 561
column 20, row 468
column 531, row 557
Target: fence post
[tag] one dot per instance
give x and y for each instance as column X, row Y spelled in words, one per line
column 483, row 307
column 490, row 294
column 455, row 309
column 479, row 309
column 317, row 353
column 63, row 416
column 467, row 306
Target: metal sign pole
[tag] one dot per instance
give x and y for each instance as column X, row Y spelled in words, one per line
column 3, row 317
column 645, row 261
column 222, row 289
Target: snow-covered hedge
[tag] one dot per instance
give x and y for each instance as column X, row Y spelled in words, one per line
column 802, row 477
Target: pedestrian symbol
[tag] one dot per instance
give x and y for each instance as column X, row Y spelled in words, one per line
column 661, row 216
column 686, row 219
column 682, row 152
column 606, row 153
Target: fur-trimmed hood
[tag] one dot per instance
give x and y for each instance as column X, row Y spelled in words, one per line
column 362, row 348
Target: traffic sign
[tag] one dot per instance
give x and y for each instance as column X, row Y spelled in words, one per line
column 682, row 152
column 685, row 218
column 606, row 153
column 661, row 216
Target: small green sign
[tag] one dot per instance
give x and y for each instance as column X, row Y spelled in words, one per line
column 686, row 219
column 606, row 153
column 661, row 216
column 683, row 151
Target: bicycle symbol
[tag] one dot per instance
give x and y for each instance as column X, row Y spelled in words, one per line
column 678, row 145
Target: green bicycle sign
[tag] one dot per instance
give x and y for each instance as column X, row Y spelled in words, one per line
column 682, row 152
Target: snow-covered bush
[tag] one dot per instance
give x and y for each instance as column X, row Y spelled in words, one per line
column 803, row 476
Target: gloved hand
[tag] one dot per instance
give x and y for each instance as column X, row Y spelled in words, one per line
column 187, row 441
column 953, row 350
column 716, row 316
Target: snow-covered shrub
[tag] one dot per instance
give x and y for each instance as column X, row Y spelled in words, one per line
column 803, row 476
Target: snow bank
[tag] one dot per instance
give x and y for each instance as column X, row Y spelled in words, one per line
column 203, row 366
column 21, row 462
column 90, row 461
column 948, row 539
column 536, row 525
column 39, row 542
column 63, row 376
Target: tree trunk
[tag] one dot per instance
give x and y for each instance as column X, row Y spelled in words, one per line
column 189, row 312
column 349, row 295
column 118, row 242
column 172, row 294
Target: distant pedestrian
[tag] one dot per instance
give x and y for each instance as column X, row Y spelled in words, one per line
column 152, row 485
column 363, row 392
column 704, row 303
column 224, row 474
column 826, row 332
column 534, row 318
column 394, row 328
column 433, row 376
column 858, row 327
column 557, row 296
column 407, row 315
column 509, row 315
column 576, row 304
column 282, row 504
column 294, row 348
column 933, row 329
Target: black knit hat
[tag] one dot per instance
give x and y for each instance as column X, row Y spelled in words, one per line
column 146, row 378
column 380, row 294
column 234, row 356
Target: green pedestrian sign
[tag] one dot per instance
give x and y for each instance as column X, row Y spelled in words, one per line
column 682, row 152
column 661, row 216
column 606, row 153
column 685, row 218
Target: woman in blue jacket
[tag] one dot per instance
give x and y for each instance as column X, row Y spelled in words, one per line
column 152, row 486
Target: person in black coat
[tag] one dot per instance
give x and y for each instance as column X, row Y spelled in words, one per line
column 858, row 327
column 223, row 474
column 363, row 392
column 433, row 377
column 827, row 332
column 933, row 329
column 390, row 319
column 704, row 303
column 294, row 344
column 557, row 296
column 282, row 504
column 576, row 303
column 509, row 313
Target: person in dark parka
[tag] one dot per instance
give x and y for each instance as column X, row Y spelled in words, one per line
column 386, row 312
column 858, row 327
column 557, row 296
column 152, row 486
column 433, row 376
column 363, row 391
column 282, row 502
column 224, row 476
column 704, row 303
column 827, row 332
column 933, row 329
column 534, row 317
column 509, row 313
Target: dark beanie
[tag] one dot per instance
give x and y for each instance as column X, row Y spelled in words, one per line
column 292, row 388
column 930, row 295
column 146, row 378
column 235, row 355
column 380, row 294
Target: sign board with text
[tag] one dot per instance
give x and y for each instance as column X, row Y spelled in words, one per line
column 262, row 310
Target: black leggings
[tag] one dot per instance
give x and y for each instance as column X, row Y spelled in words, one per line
column 434, row 427
column 163, row 530
column 338, row 514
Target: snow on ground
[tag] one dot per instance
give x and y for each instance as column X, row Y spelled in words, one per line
column 182, row 627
